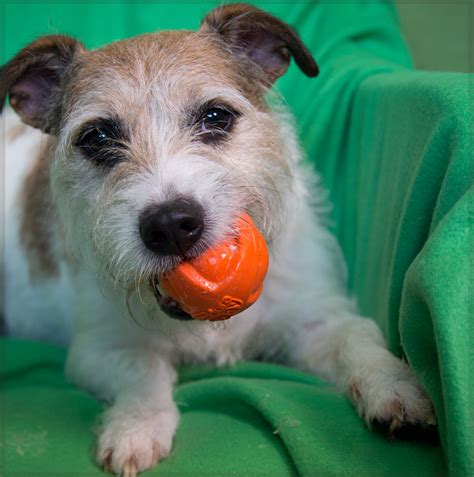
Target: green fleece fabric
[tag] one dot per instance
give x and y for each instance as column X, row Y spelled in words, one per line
column 251, row 419
column 394, row 147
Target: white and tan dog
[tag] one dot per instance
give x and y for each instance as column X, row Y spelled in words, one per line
column 144, row 153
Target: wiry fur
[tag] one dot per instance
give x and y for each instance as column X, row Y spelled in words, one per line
column 123, row 348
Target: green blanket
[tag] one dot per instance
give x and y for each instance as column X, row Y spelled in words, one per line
column 251, row 419
column 394, row 148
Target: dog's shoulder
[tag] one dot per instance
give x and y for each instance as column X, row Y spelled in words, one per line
column 27, row 172
column 36, row 309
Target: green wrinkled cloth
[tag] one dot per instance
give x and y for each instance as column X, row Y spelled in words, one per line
column 394, row 147
column 247, row 420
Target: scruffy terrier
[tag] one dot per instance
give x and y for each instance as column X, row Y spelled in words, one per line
column 145, row 152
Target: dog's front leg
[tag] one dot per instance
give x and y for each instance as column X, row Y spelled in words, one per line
column 138, row 429
column 351, row 352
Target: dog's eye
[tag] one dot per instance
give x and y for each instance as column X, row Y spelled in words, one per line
column 93, row 141
column 102, row 141
column 217, row 119
column 215, row 122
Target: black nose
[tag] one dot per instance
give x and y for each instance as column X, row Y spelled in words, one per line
column 172, row 228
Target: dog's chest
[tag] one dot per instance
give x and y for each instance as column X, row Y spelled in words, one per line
column 221, row 344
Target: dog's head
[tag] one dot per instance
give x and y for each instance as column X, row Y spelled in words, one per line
column 160, row 140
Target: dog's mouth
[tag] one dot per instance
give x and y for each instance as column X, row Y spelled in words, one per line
column 169, row 306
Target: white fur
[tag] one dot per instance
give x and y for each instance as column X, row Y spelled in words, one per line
column 304, row 317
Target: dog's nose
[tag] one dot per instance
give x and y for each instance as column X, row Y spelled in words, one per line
column 172, row 228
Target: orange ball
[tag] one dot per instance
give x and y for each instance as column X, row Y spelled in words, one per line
column 224, row 280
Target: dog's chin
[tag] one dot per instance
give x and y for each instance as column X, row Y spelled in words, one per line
column 167, row 305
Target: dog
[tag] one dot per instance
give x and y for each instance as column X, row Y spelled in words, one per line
column 176, row 123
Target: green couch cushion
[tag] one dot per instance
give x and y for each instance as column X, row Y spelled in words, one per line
column 394, row 147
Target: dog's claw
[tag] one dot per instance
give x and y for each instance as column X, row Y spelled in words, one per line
column 107, row 461
column 406, row 431
column 128, row 446
column 129, row 469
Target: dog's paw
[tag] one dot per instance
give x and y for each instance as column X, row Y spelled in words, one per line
column 133, row 442
column 393, row 403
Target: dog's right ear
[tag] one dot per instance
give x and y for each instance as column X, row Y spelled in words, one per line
column 32, row 78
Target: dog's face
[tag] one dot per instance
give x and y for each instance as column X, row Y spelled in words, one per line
column 161, row 140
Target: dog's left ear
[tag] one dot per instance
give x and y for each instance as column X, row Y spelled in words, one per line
column 265, row 40
column 33, row 78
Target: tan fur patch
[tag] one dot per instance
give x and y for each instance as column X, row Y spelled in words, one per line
column 122, row 77
column 37, row 217
column 15, row 132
